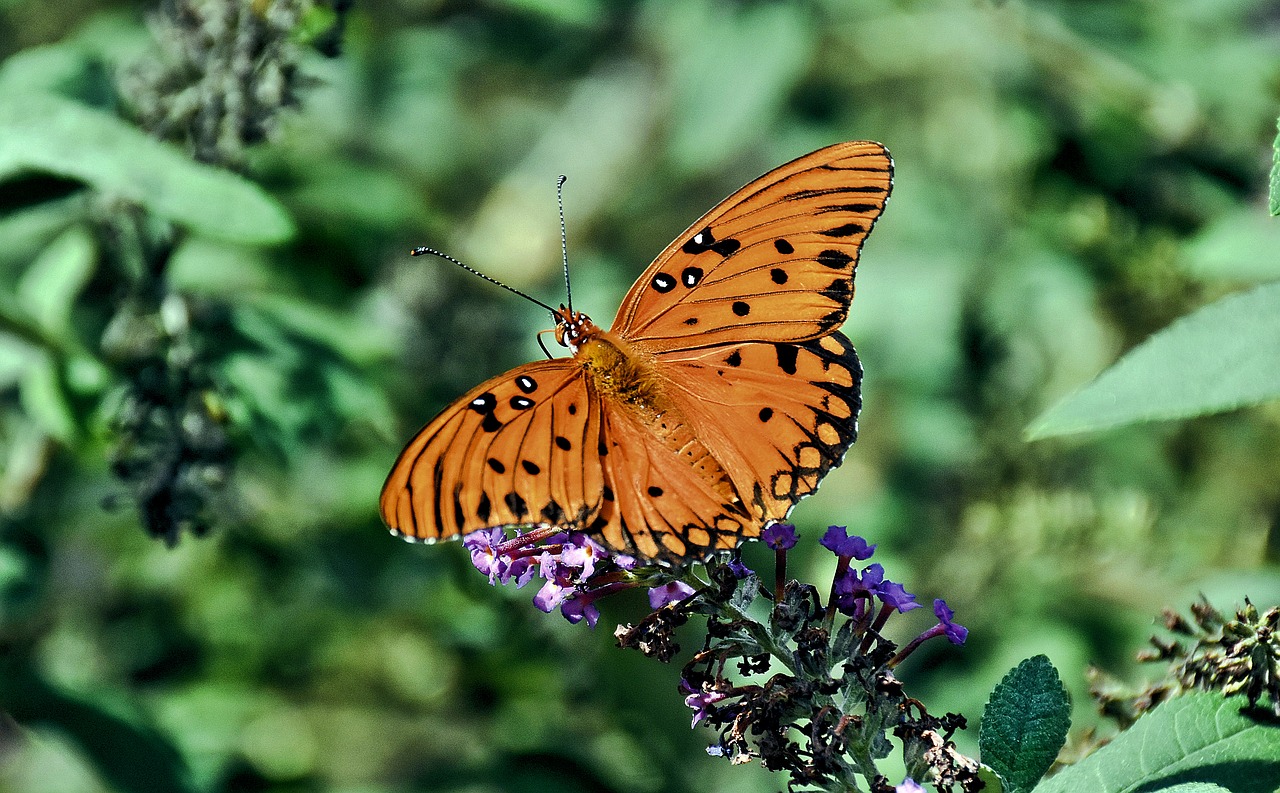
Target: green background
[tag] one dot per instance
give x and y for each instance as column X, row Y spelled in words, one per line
column 1070, row 177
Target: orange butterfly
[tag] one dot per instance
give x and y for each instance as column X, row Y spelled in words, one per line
column 720, row 397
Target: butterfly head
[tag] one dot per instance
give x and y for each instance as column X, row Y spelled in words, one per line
column 573, row 328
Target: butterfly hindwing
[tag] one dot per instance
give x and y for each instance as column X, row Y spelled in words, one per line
column 777, row 416
column 519, row 449
column 659, row 506
column 773, row 262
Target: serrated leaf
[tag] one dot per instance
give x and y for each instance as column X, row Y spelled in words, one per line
column 1194, row 738
column 48, row 134
column 1025, row 724
column 1275, row 173
column 1220, row 357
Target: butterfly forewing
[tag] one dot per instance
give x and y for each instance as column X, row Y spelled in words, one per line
column 773, row 262
column 519, row 449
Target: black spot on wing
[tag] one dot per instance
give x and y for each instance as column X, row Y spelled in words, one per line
column 530, row 467
column 516, row 504
column 857, row 208
column 526, row 384
column 787, row 355
column 801, row 195
column 783, row 247
column 663, row 283
column 845, row 230
column 839, row 290
column 726, row 247
column 691, row 276
column 497, row 466
column 490, row 423
column 563, row 443
column 553, row 513
column 778, row 275
column 702, row 241
column 836, row 260
column 485, row 508
column 741, row 308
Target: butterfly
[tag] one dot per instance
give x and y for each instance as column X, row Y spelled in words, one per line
column 722, row 394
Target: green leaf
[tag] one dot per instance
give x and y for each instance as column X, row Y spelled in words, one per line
column 1220, row 357
column 1275, row 173
column 1025, row 724
column 44, row 398
column 1200, row 738
column 1240, row 245
column 48, row 134
column 51, row 283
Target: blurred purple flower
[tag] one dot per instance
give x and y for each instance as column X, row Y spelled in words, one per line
column 909, row 785
column 779, row 536
column 670, row 592
column 838, row 541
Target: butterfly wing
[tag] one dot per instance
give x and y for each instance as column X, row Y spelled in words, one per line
column 658, row 505
column 778, row 417
column 773, row 262
column 518, row 449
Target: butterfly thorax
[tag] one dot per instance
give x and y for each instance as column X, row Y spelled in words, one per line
column 626, row 376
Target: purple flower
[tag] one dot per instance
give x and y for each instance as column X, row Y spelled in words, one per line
column 583, row 552
column 699, row 701
column 955, row 632
column 838, row 541
column 891, row 593
column 484, row 553
column 909, row 785
column 739, row 570
column 551, row 595
column 625, row 562
column 871, row 582
column 671, row 592
column 579, row 607
column 779, row 536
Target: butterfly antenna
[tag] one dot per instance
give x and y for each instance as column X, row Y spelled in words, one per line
column 564, row 241
column 421, row 251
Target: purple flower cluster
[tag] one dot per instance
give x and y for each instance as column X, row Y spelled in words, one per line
column 576, row 569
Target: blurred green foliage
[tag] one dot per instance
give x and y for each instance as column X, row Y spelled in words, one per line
column 1071, row 176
